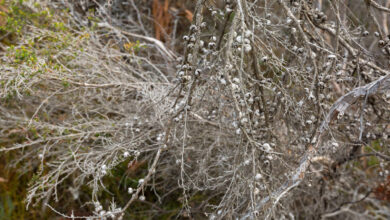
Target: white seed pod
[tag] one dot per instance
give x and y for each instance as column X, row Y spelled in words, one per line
column 239, row 39
column 256, row 191
column 365, row 33
column 258, row 176
column 197, row 72
column 376, row 34
column 179, row 59
column 111, row 215
column 142, row 198
column 294, row 48
column 247, row 33
column 193, row 27
column 190, row 57
column 203, row 25
column 187, row 78
column 126, row 154
column 235, row 87
column 264, row 59
column 185, row 66
column 186, row 38
column 267, row 147
column 201, row 43
column 130, row 190
column 98, row 207
column 213, row 38
column 211, row 45
column 247, row 48
column 181, row 73
column 293, row 30
column 311, row 96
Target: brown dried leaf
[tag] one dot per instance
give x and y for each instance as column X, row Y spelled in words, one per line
column 382, row 191
column 162, row 18
column 189, row 15
column 3, row 12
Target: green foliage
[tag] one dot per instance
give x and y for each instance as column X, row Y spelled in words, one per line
column 374, row 146
column 7, row 208
column 19, row 15
column 373, row 161
column 134, row 47
column 24, row 54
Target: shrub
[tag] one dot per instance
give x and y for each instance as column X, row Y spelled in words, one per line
column 271, row 109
